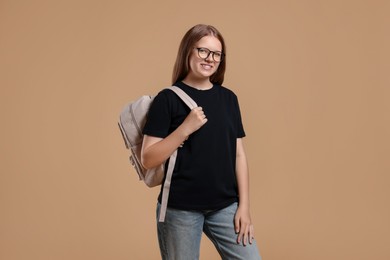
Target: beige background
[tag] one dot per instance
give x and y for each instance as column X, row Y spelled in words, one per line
column 313, row 83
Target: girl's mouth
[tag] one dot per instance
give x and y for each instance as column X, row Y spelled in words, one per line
column 207, row 66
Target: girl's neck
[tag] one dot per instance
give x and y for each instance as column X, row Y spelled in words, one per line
column 198, row 84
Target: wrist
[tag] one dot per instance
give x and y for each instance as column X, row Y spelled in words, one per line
column 243, row 203
column 183, row 132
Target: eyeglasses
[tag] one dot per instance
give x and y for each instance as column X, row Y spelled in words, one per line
column 204, row 53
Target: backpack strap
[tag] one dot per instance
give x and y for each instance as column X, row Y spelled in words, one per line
column 184, row 96
column 172, row 159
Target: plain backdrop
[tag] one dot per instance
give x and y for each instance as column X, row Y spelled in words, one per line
column 313, row 82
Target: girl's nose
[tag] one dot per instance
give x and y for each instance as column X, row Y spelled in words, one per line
column 209, row 58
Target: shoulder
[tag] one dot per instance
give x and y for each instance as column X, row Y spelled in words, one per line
column 165, row 96
column 165, row 92
column 227, row 92
column 168, row 100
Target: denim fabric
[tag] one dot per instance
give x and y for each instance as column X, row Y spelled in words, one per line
column 179, row 236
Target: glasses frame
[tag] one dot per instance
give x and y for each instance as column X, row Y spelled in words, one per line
column 210, row 52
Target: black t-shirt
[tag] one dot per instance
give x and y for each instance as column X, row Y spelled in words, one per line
column 204, row 175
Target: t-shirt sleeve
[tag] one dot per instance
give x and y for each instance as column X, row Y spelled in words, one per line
column 240, row 127
column 158, row 119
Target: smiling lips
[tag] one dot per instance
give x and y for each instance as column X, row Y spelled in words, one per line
column 207, row 66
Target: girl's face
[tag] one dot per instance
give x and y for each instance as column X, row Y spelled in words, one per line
column 202, row 67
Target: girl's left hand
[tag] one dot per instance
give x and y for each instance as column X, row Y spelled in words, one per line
column 243, row 226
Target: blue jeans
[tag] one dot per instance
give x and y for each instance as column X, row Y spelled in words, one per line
column 179, row 236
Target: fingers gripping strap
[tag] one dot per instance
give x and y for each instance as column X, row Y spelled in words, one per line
column 186, row 99
column 167, row 185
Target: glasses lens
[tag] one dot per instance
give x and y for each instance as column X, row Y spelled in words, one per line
column 217, row 56
column 203, row 53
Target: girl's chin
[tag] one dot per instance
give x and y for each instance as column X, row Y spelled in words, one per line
column 206, row 73
column 202, row 75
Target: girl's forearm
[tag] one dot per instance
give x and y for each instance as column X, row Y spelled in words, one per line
column 157, row 150
column 242, row 175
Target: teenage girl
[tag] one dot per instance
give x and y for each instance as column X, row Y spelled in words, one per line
column 209, row 186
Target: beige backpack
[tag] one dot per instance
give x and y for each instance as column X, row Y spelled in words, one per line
column 132, row 120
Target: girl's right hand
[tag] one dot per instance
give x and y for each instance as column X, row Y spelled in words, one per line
column 195, row 120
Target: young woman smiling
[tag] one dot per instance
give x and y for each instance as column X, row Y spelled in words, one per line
column 209, row 189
